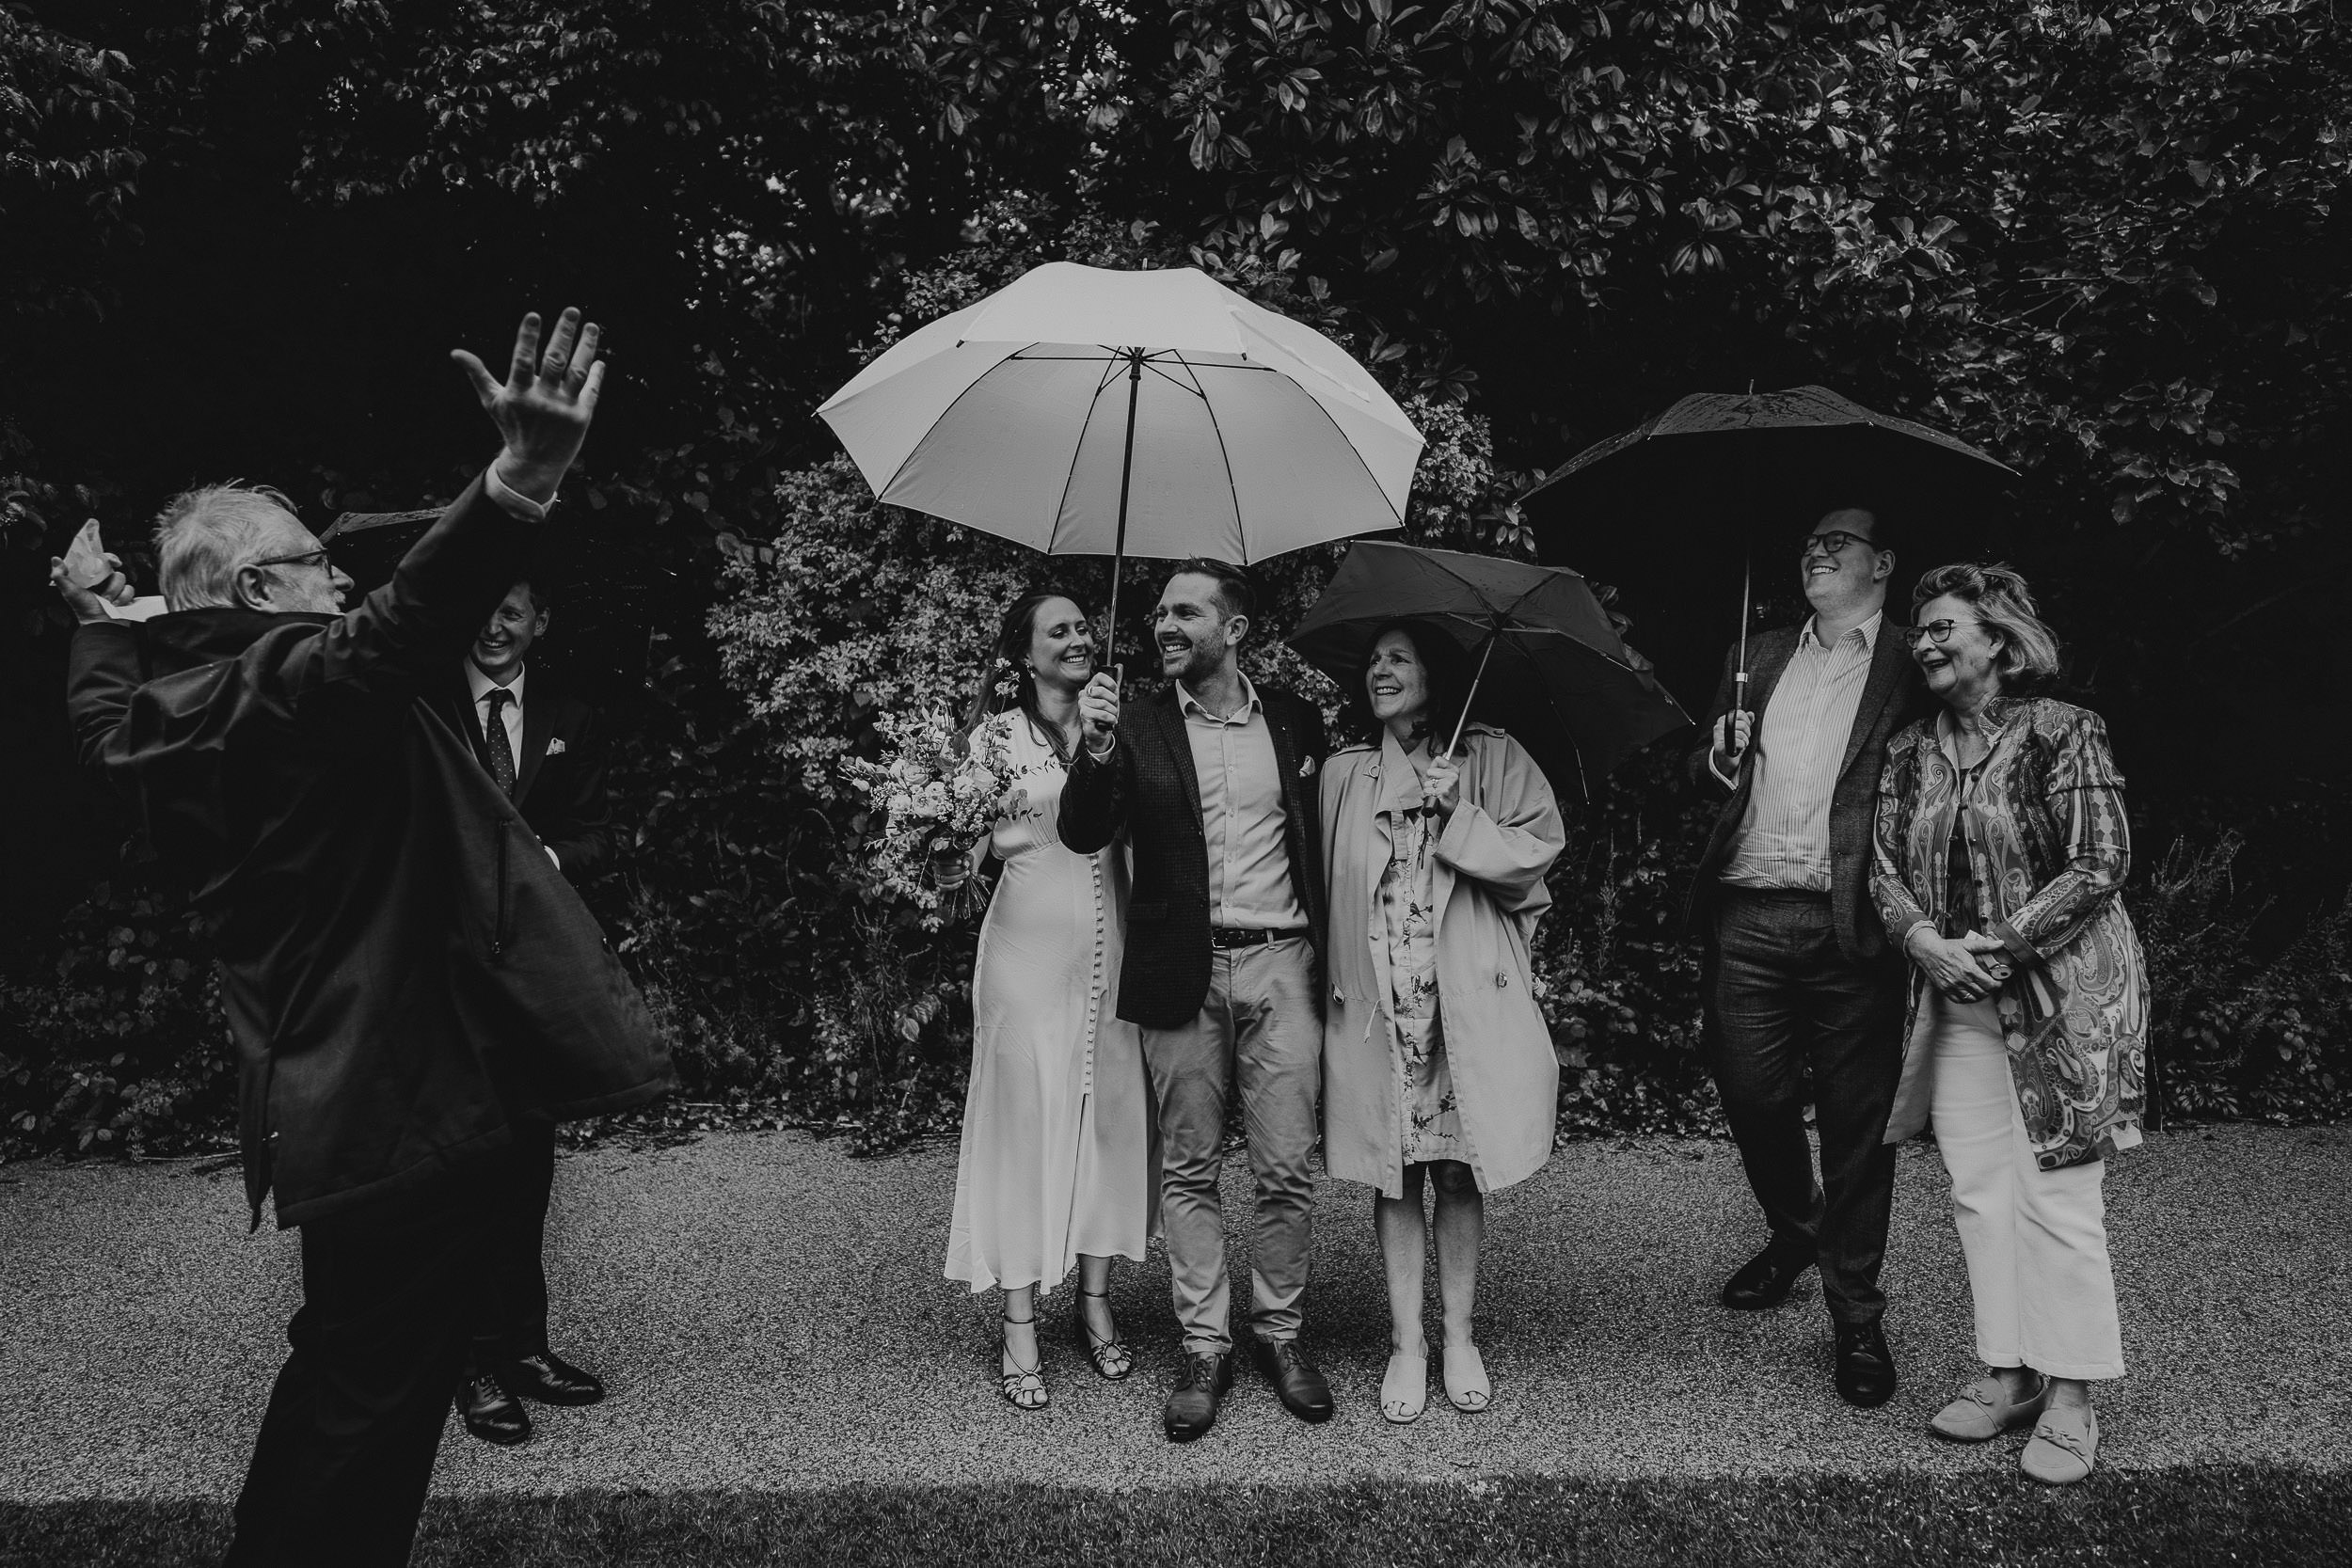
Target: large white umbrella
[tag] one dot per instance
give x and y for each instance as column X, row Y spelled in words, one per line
column 1080, row 410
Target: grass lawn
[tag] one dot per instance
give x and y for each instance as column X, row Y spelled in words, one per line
column 2262, row 1516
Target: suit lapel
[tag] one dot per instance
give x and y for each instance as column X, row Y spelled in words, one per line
column 1180, row 747
column 1888, row 660
column 456, row 702
column 540, row 701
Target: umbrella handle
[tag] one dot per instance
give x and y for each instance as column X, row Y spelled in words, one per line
column 1732, row 748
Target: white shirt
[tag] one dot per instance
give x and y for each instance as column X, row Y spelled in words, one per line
column 1242, row 815
column 482, row 685
column 1783, row 840
column 511, row 715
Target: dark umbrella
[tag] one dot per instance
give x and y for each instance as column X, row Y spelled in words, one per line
column 367, row 545
column 1552, row 667
column 1719, row 471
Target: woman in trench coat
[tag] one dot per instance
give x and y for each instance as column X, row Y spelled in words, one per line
column 1436, row 1058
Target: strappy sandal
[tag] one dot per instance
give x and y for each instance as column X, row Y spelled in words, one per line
column 1466, row 1384
column 1104, row 1353
column 1023, row 1390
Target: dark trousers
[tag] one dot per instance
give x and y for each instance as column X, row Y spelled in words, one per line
column 1781, row 1001
column 511, row 1311
column 346, row 1448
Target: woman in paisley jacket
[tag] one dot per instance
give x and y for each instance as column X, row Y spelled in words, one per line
column 2002, row 850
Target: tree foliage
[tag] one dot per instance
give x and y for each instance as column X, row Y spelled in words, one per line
column 2107, row 243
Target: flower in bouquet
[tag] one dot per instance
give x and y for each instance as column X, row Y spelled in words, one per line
column 937, row 789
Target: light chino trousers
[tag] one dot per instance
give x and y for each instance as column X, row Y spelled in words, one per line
column 2036, row 1240
column 1260, row 1030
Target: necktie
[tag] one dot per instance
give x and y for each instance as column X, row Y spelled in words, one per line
column 494, row 731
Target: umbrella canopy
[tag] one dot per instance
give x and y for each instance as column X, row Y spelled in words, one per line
column 367, row 545
column 1677, row 508
column 1078, row 396
column 1553, row 669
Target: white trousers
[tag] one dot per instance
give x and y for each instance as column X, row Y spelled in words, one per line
column 2036, row 1240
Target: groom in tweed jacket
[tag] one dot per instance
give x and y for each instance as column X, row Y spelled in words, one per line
column 1216, row 784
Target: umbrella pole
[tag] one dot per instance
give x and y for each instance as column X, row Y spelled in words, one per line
column 1740, row 681
column 1463, row 718
column 1119, row 545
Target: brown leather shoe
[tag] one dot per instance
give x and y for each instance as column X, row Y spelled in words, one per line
column 1296, row 1383
column 1192, row 1404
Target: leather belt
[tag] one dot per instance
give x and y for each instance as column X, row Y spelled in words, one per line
column 1241, row 936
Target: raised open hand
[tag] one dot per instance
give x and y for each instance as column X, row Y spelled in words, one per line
column 544, row 406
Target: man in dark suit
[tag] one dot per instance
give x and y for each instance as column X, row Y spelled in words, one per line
column 1799, row 979
column 402, row 992
column 539, row 743
column 1215, row 782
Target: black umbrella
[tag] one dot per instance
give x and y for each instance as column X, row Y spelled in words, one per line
column 367, row 545
column 1552, row 667
column 1720, row 473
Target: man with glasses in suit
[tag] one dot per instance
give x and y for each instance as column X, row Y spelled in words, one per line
column 1800, row 982
column 540, row 743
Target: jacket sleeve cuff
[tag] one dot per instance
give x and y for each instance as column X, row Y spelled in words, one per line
column 2019, row 947
column 511, row 501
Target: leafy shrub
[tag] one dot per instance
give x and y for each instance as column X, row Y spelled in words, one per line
column 122, row 1046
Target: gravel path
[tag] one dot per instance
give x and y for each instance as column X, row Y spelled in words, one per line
column 770, row 1315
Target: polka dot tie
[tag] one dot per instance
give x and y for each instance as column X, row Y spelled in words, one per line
column 494, row 731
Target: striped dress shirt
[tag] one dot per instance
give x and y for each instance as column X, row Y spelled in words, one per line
column 1242, row 815
column 1783, row 840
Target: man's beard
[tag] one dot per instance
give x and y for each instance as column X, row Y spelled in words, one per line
column 1200, row 659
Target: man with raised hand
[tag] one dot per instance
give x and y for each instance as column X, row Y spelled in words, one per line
column 1215, row 784
column 405, row 975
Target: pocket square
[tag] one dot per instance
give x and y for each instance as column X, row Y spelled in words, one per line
column 555, row 747
column 1307, row 768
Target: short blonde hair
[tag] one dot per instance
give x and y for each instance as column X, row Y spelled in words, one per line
column 2028, row 659
column 203, row 535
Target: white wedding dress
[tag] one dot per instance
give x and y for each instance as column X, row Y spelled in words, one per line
column 1059, row 1151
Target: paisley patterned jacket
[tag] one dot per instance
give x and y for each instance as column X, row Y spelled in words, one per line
column 2049, row 849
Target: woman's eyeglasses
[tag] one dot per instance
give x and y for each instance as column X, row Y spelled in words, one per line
column 1939, row 631
column 1832, row 543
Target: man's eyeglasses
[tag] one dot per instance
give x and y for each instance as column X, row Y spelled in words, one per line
column 1940, row 631
column 1832, row 543
column 308, row 557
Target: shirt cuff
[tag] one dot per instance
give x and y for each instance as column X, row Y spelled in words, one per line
column 553, row 859
column 1103, row 756
column 1727, row 783
column 1905, row 945
column 512, row 500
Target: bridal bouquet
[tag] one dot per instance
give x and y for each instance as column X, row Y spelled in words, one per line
column 937, row 795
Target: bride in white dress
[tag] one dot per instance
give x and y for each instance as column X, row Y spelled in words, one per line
column 1060, row 1165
